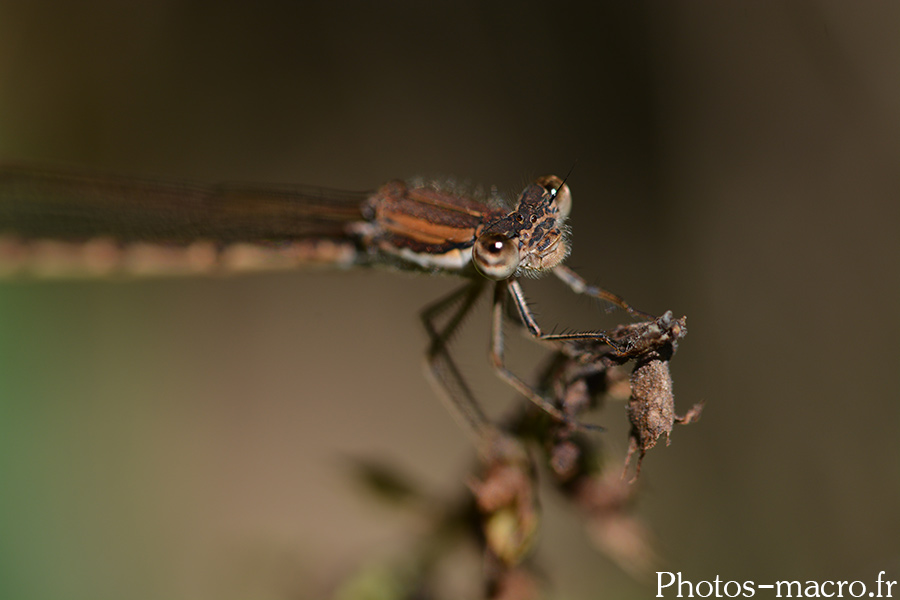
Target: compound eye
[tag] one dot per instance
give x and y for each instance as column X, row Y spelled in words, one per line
column 495, row 256
column 560, row 192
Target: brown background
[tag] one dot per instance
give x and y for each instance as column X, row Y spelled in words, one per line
column 736, row 162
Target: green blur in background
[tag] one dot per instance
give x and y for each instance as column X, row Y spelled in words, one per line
column 734, row 162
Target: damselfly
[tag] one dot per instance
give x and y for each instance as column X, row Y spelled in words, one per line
column 54, row 222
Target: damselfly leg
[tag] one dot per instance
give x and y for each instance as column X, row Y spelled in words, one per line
column 446, row 376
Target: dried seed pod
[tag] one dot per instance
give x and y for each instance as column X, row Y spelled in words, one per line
column 651, row 408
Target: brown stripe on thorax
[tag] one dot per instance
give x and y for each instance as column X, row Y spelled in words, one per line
column 421, row 217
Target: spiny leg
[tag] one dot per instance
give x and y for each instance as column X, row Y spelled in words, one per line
column 447, row 378
column 579, row 285
column 497, row 358
column 534, row 329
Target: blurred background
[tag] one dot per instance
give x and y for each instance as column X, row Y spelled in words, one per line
column 736, row 163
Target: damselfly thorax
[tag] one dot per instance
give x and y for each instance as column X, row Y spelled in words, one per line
column 54, row 222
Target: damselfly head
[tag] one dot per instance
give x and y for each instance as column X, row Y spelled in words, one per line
column 532, row 238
